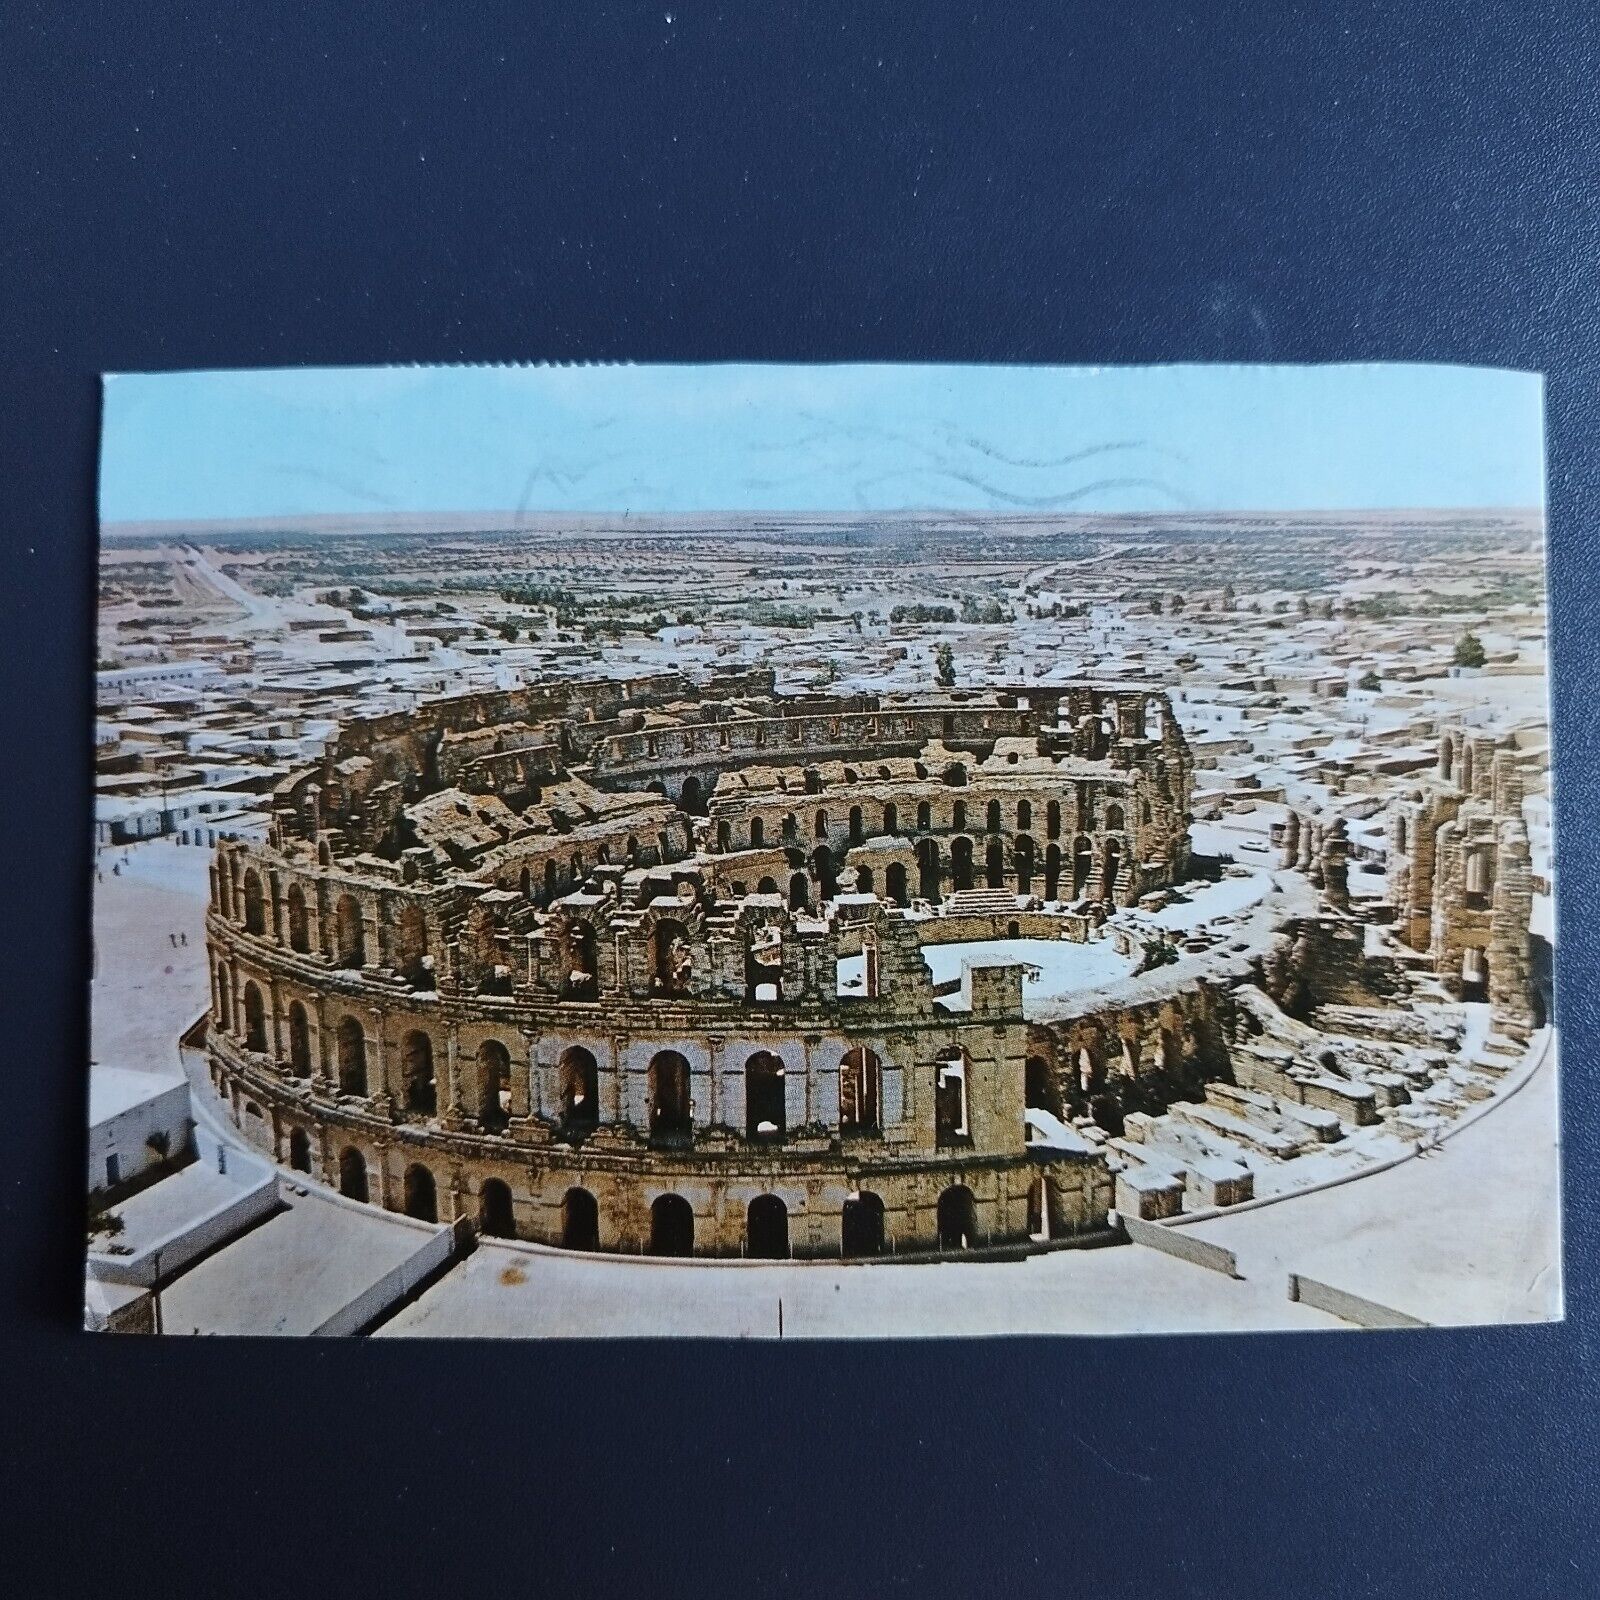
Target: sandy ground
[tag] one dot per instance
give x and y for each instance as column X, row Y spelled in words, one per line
column 145, row 991
column 503, row 1292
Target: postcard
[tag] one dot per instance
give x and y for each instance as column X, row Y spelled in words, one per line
column 822, row 851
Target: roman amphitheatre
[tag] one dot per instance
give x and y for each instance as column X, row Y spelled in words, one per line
column 678, row 965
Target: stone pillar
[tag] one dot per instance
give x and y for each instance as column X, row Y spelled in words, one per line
column 523, row 1073
column 452, row 1117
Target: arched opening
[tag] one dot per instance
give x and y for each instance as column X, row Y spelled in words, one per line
column 994, row 865
column 493, row 1107
column 1115, row 819
column 692, row 797
column 1474, row 975
column 864, row 880
column 767, row 886
column 961, row 863
column 1082, row 867
column 670, row 1112
column 411, row 946
column 822, row 869
column 894, row 883
column 724, row 834
column 764, row 1109
column 757, row 833
column 579, row 1077
column 992, row 820
column 1024, row 816
column 861, row 1226
column 582, row 978
column 224, row 882
column 416, row 1073
column 350, row 1043
column 1114, row 855
column 1052, row 820
column 958, row 1218
column 950, row 1125
column 350, row 933
column 821, row 831
column 352, row 1174
column 299, row 1041
column 1023, row 856
column 1037, row 1090
column 299, row 1150
column 255, row 1019
column 552, row 878
column 671, row 1226
column 421, row 1194
column 299, row 920
column 860, row 1091
column 799, row 892
column 766, row 1229
column 525, row 883
column 255, row 915
column 580, row 1222
column 224, row 999
column 496, row 1219
column 928, row 869
column 891, row 819
column 958, row 816
column 1052, row 871
column 1446, row 758
column 924, row 817
column 673, row 961
column 856, row 825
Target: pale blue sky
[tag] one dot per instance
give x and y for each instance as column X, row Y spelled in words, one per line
column 740, row 437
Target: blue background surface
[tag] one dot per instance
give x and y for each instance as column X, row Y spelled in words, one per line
column 238, row 185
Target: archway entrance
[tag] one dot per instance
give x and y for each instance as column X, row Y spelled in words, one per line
column 422, row 1195
column 958, row 1218
column 299, row 1150
column 767, row 1229
column 352, row 1174
column 1474, row 975
column 671, row 1226
column 580, row 1089
column 764, row 1097
column 670, row 1115
column 495, row 1219
column 861, row 1225
column 580, row 1221
column 494, row 1085
column 416, row 1065
column 860, row 1089
column 894, row 883
column 961, row 863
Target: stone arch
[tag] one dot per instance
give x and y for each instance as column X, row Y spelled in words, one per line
column 821, row 829
column 691, row 797
column 417, row 1073
column 671, row 958
column 894, row 882
column 492, row 1100
column 255, row 911
column 861, row 1226
column 993, row 821
column 670, row 1111
column 496, row 1216
column 1116, row 852
column 580, row 1221
column 1474, row 974
column 799, row 892
column 860, row 1091
column 961, row 862
column 1052, row 871
column 1116, row 818
column 224, row 998
column 958, row 816
column 1082, row 866
column 1024, row 816
column 924, row 816
column 299, row 1150
column 411, row 944
column 764, row 1097
column 350, row 933
column 671, row 1226
column 1038, row 1089
column 353, row 1174
column 951, row 1126
column 823, row 870
column 1478, row 877
column 1023, row 856
column 299, row 919
column 891, row 818
column 1052, row 819
column 766, row 1229
column 928, row 876
column 957, row 1218
column 299, row 1040
column 255, row 1018
column 421, row 1193
column 757, row 833
column 350, row 1045
column 994, row 865
column 578, row 1077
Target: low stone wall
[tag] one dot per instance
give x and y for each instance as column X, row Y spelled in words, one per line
column 1349, row 1307
column 1199, row 1252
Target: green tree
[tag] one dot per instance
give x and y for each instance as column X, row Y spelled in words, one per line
column 1469, row 650
column 944, row 666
